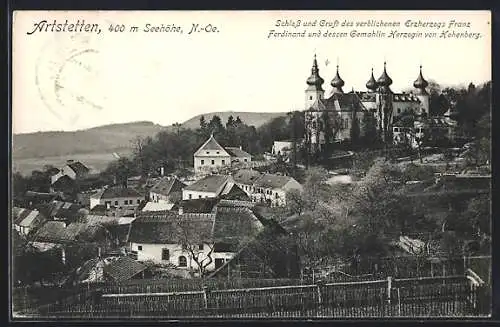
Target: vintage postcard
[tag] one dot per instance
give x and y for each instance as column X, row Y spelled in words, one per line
column 250, row 164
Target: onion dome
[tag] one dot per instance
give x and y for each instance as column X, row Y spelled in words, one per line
column 337, row 82
column 315, row 81
column 384, row 79
column 420, row 83
column 372, row 83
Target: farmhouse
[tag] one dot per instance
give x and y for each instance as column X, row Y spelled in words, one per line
column 168, row 190
column 25, row 220
column 272, row 188
column 119, row 197
column 190, row 240
column 208, row 187
column 211, row 156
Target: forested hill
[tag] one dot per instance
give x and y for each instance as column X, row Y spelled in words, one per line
column 256, row 119
column 110, row 138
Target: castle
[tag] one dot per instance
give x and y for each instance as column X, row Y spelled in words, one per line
column 373, row 114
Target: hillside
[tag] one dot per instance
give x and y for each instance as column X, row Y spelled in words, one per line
column 250, row 118
column 108, row 138
column 101, row 139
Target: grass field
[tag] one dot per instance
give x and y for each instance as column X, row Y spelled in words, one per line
column 97, row 161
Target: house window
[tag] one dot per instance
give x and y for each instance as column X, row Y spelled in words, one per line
column 182, row 261
column 202, row 162
column 310, row 97
column 208, row 152
column 139, row 247
column 223, row 162
column 213, row 162
column 165, row 254
column 125, row 202
column 138, row 201
column 277, row 195
column 399, row 110
column 218, row 263
column 217, row 152
column 245, row 160
column 190, row 196
column 199, row 196
column 396, row 129
column 200, row 247
column 116, row 203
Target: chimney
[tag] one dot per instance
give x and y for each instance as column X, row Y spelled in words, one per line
column 162, row 171
column 181, row 210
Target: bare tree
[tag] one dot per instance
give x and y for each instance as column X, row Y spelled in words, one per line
column 195, row 236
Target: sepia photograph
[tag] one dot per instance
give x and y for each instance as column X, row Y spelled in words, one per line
column 250, row 164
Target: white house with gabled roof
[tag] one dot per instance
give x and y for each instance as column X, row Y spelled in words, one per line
column 211, row 156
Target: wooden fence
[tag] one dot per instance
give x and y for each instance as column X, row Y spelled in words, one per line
column 424, row 297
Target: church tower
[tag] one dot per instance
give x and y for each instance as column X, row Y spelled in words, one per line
column 420, row 84
column 371, row 85
column 384, row 104
column 337, row 83
column 314, row 89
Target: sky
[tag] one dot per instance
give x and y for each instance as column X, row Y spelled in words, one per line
column 66, row 81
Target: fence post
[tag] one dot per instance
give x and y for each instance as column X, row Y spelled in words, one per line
column 319, row 284
column 205, row 296
column 389, row 287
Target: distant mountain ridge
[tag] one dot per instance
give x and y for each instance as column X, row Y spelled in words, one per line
column 110, row 138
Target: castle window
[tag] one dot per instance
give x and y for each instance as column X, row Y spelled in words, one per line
column 310, row 97
column 223, row 161
column 182, row 261
column 202, row 162
column 213, row 162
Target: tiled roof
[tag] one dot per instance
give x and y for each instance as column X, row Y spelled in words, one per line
column 235, row 224
column 168, row 185
column 246, row 176
column 197, row 205
column 117, row 192
column 234, row 192
column 235, row 203
column 124, row 268
column 272, row 181
column 237, row 152
column 208, row 184
column 63, row 181
column 172, row 229
column 60, row 209
column 339, row 102
column 210, row 144
column 99, row 219
column 79, row 168
column 41, row 196
column 228, row 225
column 25, row 217
column 157, row 206
column 56, row 232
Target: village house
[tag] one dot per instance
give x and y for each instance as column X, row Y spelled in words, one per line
column 73, row 169
column 25, row 220
column 32, row 199
column 64, row 211
column 118, row 197
column 178, row 240
column 125, row 268
column 211, row 156
column 72, row 238
column 168, row 189
column 209, row 187
column 269, row 188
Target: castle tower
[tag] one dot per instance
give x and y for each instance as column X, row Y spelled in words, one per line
column 371, row 85
column 337, row 83
column 384, row 104
column 420, row 84
column 314, row 89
